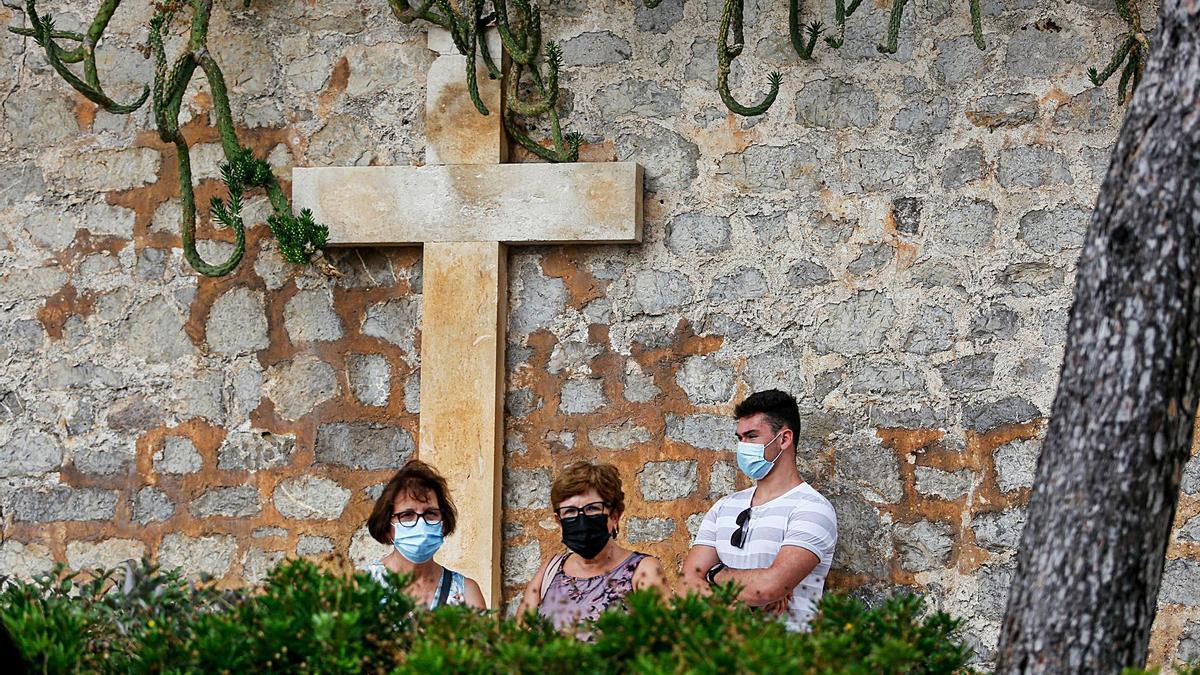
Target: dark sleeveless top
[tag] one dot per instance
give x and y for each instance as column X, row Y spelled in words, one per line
column 570, row 600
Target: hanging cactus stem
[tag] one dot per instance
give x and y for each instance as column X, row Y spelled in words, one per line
column 977, row 24
column 300, row 239
column 805, row 49
column 731, row 20
column 893, row 30
column 521, row 35
column 1130, row 51
column 1131, row 77
column 407, row 13
column 73, row 56
column 477, row 40
column 485, row 52
column 187, row 198
column 43, row 33
column 841, row 12
column 813, row 30
column 1119, row 56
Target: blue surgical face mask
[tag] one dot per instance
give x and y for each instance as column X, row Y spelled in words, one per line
column 751, row 458
column 419, row 542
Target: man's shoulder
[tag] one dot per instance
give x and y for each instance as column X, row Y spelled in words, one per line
column 734, row 500
column 806, row 498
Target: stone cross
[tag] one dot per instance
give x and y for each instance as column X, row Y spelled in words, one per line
column 465, row 206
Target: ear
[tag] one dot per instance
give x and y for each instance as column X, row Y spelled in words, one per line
column 788, row 439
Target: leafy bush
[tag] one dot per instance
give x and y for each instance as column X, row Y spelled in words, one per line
column 305, row 619
column 103, row 621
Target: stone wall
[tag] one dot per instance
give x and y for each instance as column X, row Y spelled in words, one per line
column 894, row 242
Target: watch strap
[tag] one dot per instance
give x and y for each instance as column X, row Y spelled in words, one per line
column 711, row 575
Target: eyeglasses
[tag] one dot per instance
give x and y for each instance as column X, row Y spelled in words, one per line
column 738, row 538
column 409, row 518
column 573, row 512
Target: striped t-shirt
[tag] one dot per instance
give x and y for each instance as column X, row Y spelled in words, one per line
column 799, row 517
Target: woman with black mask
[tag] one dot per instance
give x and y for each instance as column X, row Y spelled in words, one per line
column 595, row 573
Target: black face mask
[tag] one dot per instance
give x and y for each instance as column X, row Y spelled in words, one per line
column 586, row 535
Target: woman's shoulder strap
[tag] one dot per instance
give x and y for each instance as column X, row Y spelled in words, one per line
column 552, row 568
column 633, row 562
column 444, row 588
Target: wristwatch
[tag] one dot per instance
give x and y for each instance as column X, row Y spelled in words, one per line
column 711, row 575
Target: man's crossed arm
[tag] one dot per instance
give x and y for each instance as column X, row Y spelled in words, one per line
column 760, row 587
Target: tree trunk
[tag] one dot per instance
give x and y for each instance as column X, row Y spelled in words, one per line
column 1091, row 557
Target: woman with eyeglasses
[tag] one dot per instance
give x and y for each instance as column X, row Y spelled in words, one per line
column 413, row 514
column 595, row 572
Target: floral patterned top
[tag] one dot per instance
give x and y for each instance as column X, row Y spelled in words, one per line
column 570, row 600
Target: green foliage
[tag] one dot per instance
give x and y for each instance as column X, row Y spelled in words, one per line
column 239, row 173
column 140, row 619
column 302, row 239
column 117, row 620
column 299, row 238
column 303, row 620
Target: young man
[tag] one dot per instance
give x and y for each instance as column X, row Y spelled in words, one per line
column 775, row 539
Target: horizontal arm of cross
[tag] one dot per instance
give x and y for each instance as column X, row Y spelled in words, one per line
column 510, row 203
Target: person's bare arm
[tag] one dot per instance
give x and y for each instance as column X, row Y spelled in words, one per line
column 649, row 574
column 531, row 599
column 473, row 595
column 699, row 560
column 764, row 586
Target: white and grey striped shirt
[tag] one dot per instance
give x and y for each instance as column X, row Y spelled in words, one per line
column 799, row 517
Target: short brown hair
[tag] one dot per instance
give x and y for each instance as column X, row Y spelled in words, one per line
column 578, row 478
column 417, row 479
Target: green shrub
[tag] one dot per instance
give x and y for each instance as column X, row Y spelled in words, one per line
column 106, row 621
column 305, row 619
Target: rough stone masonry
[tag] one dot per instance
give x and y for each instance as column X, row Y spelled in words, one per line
column 894, row 242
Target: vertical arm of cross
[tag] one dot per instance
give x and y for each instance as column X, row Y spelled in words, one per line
column 462, row 396
column 463, row 326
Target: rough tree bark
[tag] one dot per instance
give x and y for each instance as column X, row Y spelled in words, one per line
column 1091, row 557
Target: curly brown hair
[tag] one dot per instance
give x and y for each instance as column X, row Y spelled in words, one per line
column 578, row 478
column 419, row 480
